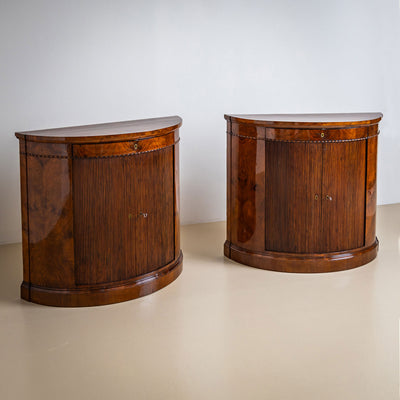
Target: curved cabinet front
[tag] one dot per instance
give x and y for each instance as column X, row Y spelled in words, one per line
column 302, row 194
column 100, row 219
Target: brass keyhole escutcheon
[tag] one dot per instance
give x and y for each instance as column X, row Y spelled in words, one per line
column 316, row 197
column 135, row 146
column 322, row 134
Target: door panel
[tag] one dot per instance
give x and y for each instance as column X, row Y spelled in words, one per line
column 293, row 214
column 123, row 211
column 155, row 210
column 344, row 183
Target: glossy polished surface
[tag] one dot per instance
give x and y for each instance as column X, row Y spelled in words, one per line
column 108, row 132
column 100, row 220
column 301, row 199
column 244, row 334
column 307, row 120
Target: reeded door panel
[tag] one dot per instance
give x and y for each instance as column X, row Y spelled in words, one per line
column 292, row 196
column 124, row 222
column 343, row 195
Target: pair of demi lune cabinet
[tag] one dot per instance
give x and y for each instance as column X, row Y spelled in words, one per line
column 100, row 203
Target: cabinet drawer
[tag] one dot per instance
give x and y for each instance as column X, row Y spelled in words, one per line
column 319, row 134
column 123, row 148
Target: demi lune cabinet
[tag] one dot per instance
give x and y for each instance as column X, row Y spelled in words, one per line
column 301, row 191
column 100, row 211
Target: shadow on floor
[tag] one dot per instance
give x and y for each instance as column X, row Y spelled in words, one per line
column 204, row 241
column 10, row 273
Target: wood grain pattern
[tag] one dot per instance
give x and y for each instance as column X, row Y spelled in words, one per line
column 176, row 198
column 100, row 221
column 303, row 263
column 24, row 212
column 293, row 220
column 307, row 121
column 343, row 196
column 228, row 180
column 247, row 186
column 123, row 148
column 316, row 135
column 319, row 203
column 155, row 210
column 370, row 190
column 108, row 132
column 50, row 216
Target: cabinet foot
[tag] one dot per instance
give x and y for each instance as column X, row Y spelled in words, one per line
column 104, row 294
column 301, row 262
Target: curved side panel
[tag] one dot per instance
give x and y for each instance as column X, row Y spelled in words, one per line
column 50, row 216
column 370, row 194
column 247, row 196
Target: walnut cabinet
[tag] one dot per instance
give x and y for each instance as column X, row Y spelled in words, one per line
column 100, row 211
column 301, row 191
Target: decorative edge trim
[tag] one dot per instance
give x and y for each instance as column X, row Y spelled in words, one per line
column 304, row 141
column 96, row 157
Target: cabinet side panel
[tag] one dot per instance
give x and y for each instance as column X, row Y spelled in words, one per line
column 370, row 200
column 105, row 217
column 293, row 180
column 343, row 195
column 155, row 213
column 50, row 213
column 24, row 208
column 247, row 224
column 177, row 200
column 228, row 181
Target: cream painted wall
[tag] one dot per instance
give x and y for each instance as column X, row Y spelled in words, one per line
column 80, row 62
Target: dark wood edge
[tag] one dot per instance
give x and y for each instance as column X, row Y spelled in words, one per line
column 304, row 125
column 104, row 294
column 303, row 263
column 99, row 139
column 176, row 197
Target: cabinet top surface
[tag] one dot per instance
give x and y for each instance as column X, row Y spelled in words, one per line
column 108, row 132
column 316, row 120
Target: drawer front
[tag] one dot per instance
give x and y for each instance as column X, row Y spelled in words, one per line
column 323, row 135
column 103, row 150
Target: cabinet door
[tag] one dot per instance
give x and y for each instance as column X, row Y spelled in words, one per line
column 123, row 215
column 293, row 213
column 343, row 195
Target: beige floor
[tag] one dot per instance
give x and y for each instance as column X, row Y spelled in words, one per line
column 221, row 331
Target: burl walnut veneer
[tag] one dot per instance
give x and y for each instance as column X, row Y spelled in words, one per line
column 100, row 211
column 301, row 191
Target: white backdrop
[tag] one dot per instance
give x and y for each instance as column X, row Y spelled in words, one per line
column 76, row 62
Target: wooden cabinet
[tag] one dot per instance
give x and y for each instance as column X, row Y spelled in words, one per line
column 302, row 191
column 100, row 211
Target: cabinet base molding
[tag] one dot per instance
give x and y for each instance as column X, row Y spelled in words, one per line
column 104, row 294
column 303, row 263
